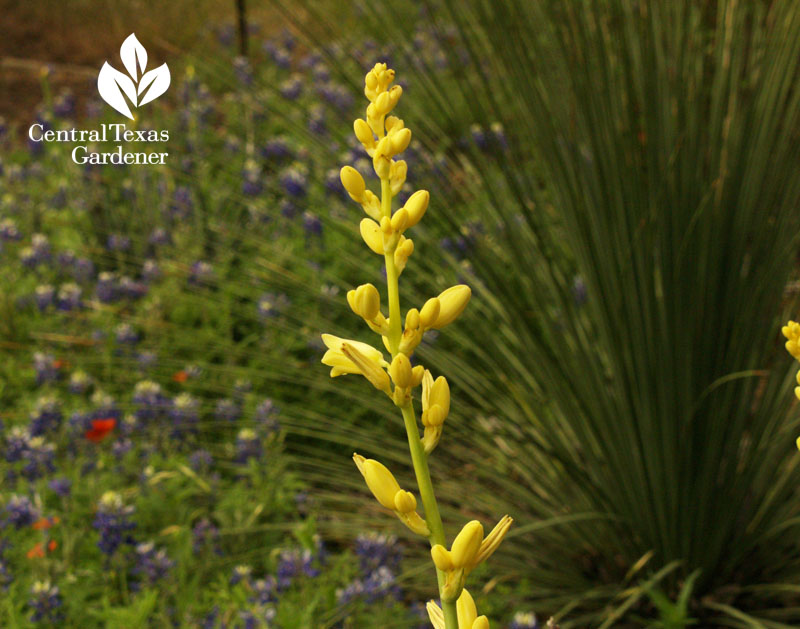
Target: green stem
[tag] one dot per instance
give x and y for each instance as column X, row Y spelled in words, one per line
column 418, row 456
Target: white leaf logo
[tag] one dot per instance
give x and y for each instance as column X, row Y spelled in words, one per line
column 138, row 86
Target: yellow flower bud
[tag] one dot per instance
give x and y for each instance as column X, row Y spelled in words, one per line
column 400, row 370
column 416, row 375
column 429, row 312
column 416, row 206
column 451, row 304
column 394, row 96
column 353, row 182
column 466, row 610
column 368, row 301
column 393, row 123
column 372, row 235
column 383, row 104
column 364, row 133
column 381, row 482
column 441, row 558
column 397, row 175
column 382, row 165
column 400, row 140
column 481, row 622
column 440, row 394
column 404, row 501
column 400, row 220
column 467, row 544
column 402, row 253
column 412, row 319
column 386, row 225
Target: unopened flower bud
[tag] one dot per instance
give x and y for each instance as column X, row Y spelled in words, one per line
column 400, row 371
column 441, row 558
column 451, row 304
column 466, row 610
column 368, row 301
column 364, row 133
column 400, row 220
column 353, row 182
column 412, row 319
column 429, row 312
column 467, row 544
column 372, row 235
column 400, row 140
column 404, row 501
column 381, row 482
column 416, row 206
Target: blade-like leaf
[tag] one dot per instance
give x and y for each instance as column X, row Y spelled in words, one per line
column 130, row 52
column 158, row 82
column 112, row 84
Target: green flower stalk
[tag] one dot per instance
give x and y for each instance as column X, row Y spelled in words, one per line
column 384, row 137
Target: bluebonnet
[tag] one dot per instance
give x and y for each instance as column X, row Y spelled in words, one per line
column 160, row 237
column 149, row 400
column 524, row 621
column 69, row 297
column 295, row 180
column 292, row 87
column 64, row 104
column 60, row 486
column 9, row 231
column 44, row 296
column 17, row 442
column 118, row 242
column 277, row 149
column 184, row 411
column 125, row 334
column 205, row 536
column 379, row 559
column 280, row 56
column 248, row 446
column 113, row 523
column 45, row 367
column 257, row 618
column 296, row 562
column 20, row 511
column 121, row 447
column 252, row 185
column 201, row 272
column 264, row 590
column 151, row 564
column 337, row 95
column 266, row 415
column 46, row 417
column 272, row 304
column 79, row 382
column 227, row 410
column 151, row 271
column 312, row 224
column 131, row 289
column 316, row 121
column 182, row 202
column 200, row 460
column 579, row 291
column 45, row 602
column 39, row 458
column 82, row 270
column 106, row 288
column 243, row 70
column 241, row 573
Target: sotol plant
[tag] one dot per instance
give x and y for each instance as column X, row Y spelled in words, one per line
column 384, row 137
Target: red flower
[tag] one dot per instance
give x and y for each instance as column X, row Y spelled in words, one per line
column 44, row 523
column 36, row 551
column 180, row 376
column 100, row 429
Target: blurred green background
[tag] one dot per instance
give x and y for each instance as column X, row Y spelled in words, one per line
column 615, row 180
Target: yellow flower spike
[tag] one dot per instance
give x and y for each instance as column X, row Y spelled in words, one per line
column 481, row 622
column 400, row 371
column 404, row 502
column 442, row 558
column 429, row 312
column 368, row 368
column 372, row 235
column 400, row 220
column 416, row 206
column 467, row 544
column 341, row 364
column 792, row 333
column 452, row 303
column 364, row 134
column 353, row 182
column 491, row 542
column 467, row 612
column 381, row 482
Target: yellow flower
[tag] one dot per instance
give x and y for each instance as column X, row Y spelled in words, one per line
column 466, row 610
column 451, row 304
